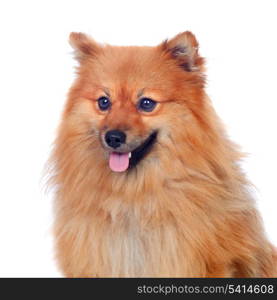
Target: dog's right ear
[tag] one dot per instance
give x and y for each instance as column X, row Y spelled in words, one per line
column 184, row 49
column 83, row 45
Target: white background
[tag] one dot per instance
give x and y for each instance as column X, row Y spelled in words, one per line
column 238, row 38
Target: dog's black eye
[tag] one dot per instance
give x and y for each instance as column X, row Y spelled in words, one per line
column 146, row 104
column 104, row 103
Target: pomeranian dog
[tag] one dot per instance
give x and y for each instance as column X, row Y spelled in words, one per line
column 147, row 182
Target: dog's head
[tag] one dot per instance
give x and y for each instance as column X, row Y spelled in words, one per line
column 130, row 100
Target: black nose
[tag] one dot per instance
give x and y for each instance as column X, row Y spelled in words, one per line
column 114, row 138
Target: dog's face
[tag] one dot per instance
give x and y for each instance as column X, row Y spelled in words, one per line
column 129, row 99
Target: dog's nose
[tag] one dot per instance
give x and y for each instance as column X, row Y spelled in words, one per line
column 115, row 138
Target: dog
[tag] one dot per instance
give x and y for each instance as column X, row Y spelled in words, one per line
column 147, row 183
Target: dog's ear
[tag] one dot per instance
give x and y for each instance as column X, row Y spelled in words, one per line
column 83, row 45
column 184, row 48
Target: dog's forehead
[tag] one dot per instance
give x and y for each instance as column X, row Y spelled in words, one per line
column 131, row 72
column 128, row 63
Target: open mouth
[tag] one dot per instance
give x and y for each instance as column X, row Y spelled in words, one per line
column 120, row 162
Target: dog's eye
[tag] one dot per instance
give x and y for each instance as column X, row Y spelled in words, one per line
column 146, row 104
column 104, row 103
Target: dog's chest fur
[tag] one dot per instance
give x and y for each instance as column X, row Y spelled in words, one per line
column 144, row 240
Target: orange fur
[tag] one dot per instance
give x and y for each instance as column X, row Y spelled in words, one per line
column 185, row 210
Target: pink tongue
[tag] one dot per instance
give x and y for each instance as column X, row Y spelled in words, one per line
column 119, row 162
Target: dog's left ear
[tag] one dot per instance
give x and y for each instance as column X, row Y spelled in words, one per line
column 184, row 48
column 83, row 45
